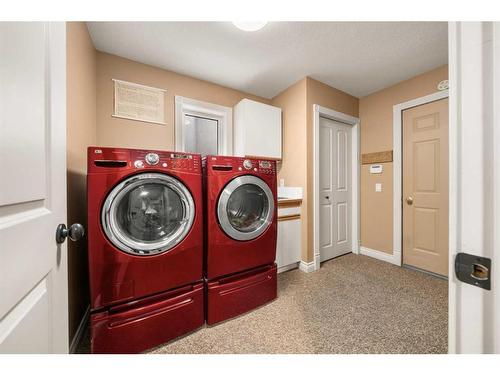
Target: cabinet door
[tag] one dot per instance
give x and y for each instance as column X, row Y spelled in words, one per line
column 257, row 130
column 288, row 250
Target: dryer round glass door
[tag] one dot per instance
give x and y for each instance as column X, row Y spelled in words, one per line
column 245, row 208
column 148, row 214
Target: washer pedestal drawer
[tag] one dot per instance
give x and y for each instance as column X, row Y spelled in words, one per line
column 231, row 296
column 144, row 324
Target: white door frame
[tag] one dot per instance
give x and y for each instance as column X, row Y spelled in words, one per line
column 318, row 112
column 474, row 52
column 397, row 132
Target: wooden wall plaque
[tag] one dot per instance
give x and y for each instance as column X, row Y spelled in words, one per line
column 377, row 157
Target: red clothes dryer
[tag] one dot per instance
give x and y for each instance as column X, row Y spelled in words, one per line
column 241, row 234
column 145, row 245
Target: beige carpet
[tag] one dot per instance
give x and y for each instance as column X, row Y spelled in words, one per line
column 353, row 304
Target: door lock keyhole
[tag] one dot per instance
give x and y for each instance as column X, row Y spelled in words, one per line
column 479, row 272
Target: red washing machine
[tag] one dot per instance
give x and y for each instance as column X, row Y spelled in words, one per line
column 145, row 237
column 241, row 233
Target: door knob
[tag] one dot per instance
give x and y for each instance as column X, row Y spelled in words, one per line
column 74, row 232
column 409, row 201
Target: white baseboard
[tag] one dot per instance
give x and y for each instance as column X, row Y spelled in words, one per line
column 393, row 258
column 317, row 261
column 307, row 266
column 288, row 267
column 79, row 332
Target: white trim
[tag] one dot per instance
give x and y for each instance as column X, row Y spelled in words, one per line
column 80, row 331
column 380, row 255
column 319, row 111
column 453, row 165
column 288, row 267
column 307, row 266
column 224, row 116
column 474, row 53
column 493, row 299
column 56, row 114
column 317, row 260
column 397, row 166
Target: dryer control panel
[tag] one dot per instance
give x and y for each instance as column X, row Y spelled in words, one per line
column 238, row 164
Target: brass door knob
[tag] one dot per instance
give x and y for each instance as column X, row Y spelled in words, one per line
column 409, row 201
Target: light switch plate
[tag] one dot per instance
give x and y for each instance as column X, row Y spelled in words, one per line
column 378, row 187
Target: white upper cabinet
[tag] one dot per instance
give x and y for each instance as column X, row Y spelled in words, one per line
column 257, row 130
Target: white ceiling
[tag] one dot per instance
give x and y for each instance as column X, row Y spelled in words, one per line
column 356, row 57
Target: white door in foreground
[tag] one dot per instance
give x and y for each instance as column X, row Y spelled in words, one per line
column 33, row 267
column 474, row 53
column 334, row 188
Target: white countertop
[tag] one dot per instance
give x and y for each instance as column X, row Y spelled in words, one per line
column 289, row 192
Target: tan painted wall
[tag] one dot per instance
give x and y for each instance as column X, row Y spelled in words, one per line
column 375, row 112
column 297, row 168
column 81, row 132
column 293, row 168
column 116, row 132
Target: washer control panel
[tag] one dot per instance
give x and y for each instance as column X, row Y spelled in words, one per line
column 170, row 160
column 267, row 167
column 247, row 164
column 104, row 159
column 152, row 158
column 265, row 164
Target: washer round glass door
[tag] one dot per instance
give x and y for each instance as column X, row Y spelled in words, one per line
column 245, row 208
column 148, row 214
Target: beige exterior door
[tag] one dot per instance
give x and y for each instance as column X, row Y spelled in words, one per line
column 425, row 187
column 334, row 188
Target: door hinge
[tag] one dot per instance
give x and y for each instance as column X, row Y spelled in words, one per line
column 474, row 270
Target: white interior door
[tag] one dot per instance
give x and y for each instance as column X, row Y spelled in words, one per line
column 474, row 320
column 334, row 188
column 33, row 267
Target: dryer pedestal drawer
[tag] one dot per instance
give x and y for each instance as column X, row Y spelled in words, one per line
column 234, row 295
column 136, row 329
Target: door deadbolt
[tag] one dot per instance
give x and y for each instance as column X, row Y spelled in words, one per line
column 474, row 270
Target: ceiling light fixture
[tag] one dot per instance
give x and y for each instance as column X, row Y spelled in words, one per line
column 250, row 26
